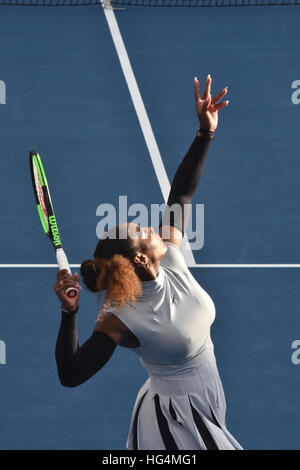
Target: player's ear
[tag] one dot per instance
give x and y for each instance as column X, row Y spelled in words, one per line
column 140, row 259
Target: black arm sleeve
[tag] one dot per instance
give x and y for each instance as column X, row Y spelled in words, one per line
column 77, row 364
column 185, row 182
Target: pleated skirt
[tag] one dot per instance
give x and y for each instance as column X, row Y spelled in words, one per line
column 181, row 407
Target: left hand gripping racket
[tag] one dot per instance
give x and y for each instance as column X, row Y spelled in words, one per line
column 46, row 213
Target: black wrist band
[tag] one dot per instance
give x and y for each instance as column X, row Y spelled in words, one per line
column 209, row 135
column 206, row 131
column 65, row 310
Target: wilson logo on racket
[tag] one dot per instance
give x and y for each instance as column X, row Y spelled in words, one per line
column 54, row 230
column 46, row 213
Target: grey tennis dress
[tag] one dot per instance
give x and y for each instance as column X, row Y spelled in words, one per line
column 181, row 405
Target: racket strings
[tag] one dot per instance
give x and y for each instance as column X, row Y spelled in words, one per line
column 40, row 193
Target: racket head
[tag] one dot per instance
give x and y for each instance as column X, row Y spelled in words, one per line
column 43, row 199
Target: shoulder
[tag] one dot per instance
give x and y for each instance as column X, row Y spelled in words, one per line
column 111, row 325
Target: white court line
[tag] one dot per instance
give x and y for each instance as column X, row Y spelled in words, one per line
column 195, row 266
column 143, row 118
column 35, row 266
column 247, row 266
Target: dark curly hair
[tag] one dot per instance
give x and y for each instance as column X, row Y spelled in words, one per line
column 112, row 270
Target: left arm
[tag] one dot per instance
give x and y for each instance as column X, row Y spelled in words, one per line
column 76, row 364
column 188, row 174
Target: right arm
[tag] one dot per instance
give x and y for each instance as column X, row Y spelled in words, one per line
column 76, row 364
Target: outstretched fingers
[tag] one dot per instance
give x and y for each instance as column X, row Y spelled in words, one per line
column 197, row 89
column 219, row 96
column 220, row 105
column 207, row 87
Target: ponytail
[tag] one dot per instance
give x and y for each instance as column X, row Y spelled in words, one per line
column 112, row 272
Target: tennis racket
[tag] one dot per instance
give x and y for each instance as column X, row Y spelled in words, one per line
column 46, row 213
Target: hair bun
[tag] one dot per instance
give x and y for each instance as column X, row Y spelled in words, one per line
column 89, row 274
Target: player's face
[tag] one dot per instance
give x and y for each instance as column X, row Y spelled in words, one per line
column 147, row 241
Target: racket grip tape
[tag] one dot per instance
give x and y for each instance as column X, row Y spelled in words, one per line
column 63, row 263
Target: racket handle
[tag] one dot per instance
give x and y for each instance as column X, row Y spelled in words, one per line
column 63, row 263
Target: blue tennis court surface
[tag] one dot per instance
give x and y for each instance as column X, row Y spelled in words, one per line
column 66, row 97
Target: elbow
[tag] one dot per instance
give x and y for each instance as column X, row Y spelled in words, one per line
column 67, row 381
column 68, row 384
column 181, row 196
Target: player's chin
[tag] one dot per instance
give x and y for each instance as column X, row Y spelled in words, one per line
column 163, row 248
column 157, row 247
column 159, row 240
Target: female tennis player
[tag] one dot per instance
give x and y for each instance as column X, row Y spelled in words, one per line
column 154, row 306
